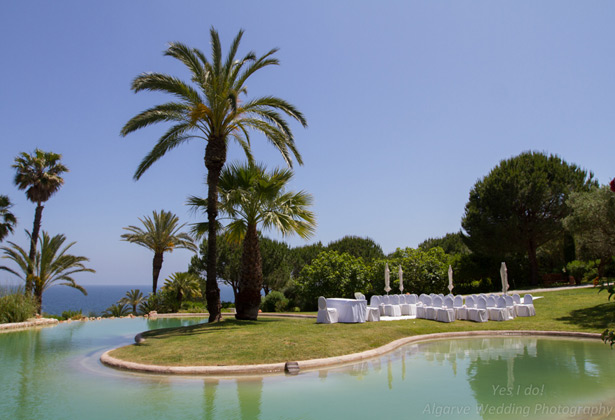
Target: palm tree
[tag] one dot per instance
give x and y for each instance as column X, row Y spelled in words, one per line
column 161, row 234
column 133, row 298
column 7, row 219
column 117, row 310
column 249, row 197
column 210, row 109
column 51, row 265
column 40, row 175
column 183, row 286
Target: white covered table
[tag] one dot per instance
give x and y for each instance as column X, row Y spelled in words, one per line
column 349, row 310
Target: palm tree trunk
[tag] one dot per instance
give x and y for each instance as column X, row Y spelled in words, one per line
column 215, row 157
column 157, row 266
column 249, row 296
column 38, row 294
column 36, row 227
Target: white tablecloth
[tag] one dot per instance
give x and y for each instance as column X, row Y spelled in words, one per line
column 349, row 310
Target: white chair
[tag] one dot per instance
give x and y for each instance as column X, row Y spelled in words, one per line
column 463, row 311
column 409, row 308
column 325, row 315
column 499, row 313
column 510, row 305
column 373, row 311
column 421, row 308
column 479, row 314
column 527, row 307
column 446, row 313
column 458, row 306
column 390, row 308
column 376, row 302
column 432, row 311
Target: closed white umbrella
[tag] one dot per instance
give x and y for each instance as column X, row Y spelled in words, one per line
column 401, row 280
column 504, row 276
column 387, row 279
column 450, row 279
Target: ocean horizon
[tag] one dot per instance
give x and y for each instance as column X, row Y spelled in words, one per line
column 57, row 298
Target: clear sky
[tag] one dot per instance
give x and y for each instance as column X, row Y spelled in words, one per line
column 409, row 103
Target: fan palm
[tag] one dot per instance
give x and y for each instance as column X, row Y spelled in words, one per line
column 161, row 234
column 40, row 175
column 7, row 219
column 133, row 298
column 210, row 109
column 52, row 264
column 250, row 196
column 183, row 286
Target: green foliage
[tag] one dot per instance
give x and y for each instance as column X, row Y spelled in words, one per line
column 228, row 262
column 332, row 275
column 133, row 298
column 520, row 205
column 304, row 255
column 451, row 243
column 116, row 310
column 7, row 219
column 193, row 307
column 15, row 306
column 274, row 302
column 423, row 271
column 609, row 288
column 275, row 256
column 608, row 336
column 592, row 222
column 577, row 269
column 356, row 246
column 181, row 286
column 71, row 314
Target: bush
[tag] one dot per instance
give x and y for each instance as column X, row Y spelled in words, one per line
column 16, row 307
column 117, row 310
column 576, row 269
column 193, row 307
column 71, row 315
column 274, row 302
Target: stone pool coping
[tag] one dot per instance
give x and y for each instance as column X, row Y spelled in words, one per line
column 313, row 364
column 39, row 322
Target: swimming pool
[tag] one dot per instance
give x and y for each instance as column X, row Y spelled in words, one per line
column 55, row 373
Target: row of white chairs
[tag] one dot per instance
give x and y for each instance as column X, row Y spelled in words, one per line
column 478, row 308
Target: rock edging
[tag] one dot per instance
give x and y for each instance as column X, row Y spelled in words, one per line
column 313, row 364
column 39, row 322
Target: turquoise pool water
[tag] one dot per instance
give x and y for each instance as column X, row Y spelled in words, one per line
column 54, row 373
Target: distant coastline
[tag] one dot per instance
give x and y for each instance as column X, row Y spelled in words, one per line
column 61, row 298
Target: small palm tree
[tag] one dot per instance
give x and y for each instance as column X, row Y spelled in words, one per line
column 52, row 264
column 210, row 110
column 7, row 219
column 250, row 196
column 133, row 298
column 183, row 286
column 40, row 175
column 117, row 310
column 161, row 234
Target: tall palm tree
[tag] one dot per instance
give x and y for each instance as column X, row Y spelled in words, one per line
column 52, row 264
column 7, row 219
column 161, row 234
column 133, row 298
column 183, row 286
column 210, row 109
column 40, row 175
column 250, row 196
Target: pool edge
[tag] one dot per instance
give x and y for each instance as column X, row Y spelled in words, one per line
column 313, row 364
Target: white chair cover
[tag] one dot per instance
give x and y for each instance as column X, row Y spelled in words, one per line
column 421, row 309
column 359, row 296
column 325, row 315
column 479, row 313
column 510, row 305
column 373, row 314
column 460, row 310
column 527, row 307
column 376, row 302
column 447, row 312
column 432, row 311
column 499, row 313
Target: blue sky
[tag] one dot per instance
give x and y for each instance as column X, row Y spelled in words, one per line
column 409, row 103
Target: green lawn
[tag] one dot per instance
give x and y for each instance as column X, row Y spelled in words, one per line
column 271, row 340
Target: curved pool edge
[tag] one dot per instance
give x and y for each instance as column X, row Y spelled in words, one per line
column 17, row 326
column 329, row 362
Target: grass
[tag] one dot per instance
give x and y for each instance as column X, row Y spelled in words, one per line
column 271, row 340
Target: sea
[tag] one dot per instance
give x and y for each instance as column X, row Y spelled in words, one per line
column 57, row 298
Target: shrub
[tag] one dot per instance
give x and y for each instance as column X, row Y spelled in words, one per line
column 274, row 302
column 16, row 307
column 193, row 307
column 71, row 315
column 576, row 269
column 119, row 309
